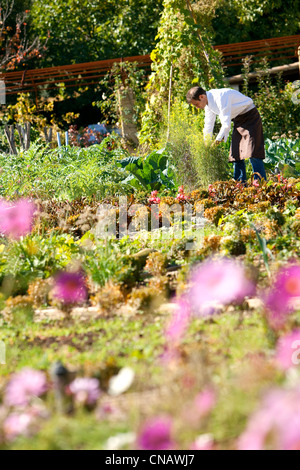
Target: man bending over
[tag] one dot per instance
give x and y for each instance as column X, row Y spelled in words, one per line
column 247, row 137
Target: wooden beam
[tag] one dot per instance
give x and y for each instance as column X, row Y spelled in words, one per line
column 284, row 69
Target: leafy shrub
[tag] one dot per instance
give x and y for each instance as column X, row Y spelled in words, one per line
column 273, row 99
column 34, row 257
column 196, row 163
column 153, row 172
column 283, row 154
column 210, row 160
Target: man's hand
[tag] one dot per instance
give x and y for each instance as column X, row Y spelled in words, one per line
column 217, row 142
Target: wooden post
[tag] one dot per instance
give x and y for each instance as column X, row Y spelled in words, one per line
column 169, row 102
column 48, row 134
column 10, row 135
column 24, row 133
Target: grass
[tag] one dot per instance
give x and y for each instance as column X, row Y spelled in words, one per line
column 223, row 351
column 232, row 352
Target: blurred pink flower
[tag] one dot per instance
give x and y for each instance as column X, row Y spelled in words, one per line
column 276, row 425
column 25, row 385
column 200, row 407
column 179, row 322
column 85, row 390
column 205, row 402
column 16, row 218
column 156, row 435
column 181, row 196
column 70, row 287
column 17, row 425
column 218, row 281
column 285, row 288
column 154, row 199
column 288, row 350
column 170, row 355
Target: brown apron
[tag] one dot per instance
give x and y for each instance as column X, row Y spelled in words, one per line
column 247, row 137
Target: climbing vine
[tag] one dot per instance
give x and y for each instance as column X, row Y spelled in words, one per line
column 115, row 84
column 184, row 45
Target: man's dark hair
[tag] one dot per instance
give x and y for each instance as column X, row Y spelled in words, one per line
column 194, row 93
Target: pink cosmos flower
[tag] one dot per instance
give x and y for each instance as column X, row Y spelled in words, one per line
column 156, row 435
column 276, row 425
column 201, row 406
column 16, row 218
column 288, row 348
column 25, row 385
column 218, row 281
column 17, row 425
column 179, row 322
column 85, row 390
column 285, row 288
column 70, row 287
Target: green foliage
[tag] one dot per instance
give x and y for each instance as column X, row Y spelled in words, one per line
column 103, row 263
column 197, row 162
column 121, row 77
column 179, row 46
column 153, row 172
column 185, row 124
column 84, row 30
column 237, row 21
column 34, row 257
column 106, row 262
column 65, row 174
column 26, row 111
column 283, row 154
column 274, row 100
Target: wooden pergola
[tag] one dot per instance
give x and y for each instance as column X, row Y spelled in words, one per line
column 73, row 75
column 282, row 49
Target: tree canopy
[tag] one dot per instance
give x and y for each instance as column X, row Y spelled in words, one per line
column 88, row 30
column 237, row 21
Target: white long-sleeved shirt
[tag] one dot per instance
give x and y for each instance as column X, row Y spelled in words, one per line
column 228, row 104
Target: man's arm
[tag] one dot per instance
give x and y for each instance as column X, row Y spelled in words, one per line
column 225, row 117
column 209, row 123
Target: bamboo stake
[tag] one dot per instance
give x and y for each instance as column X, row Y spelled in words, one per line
column 169, row 102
